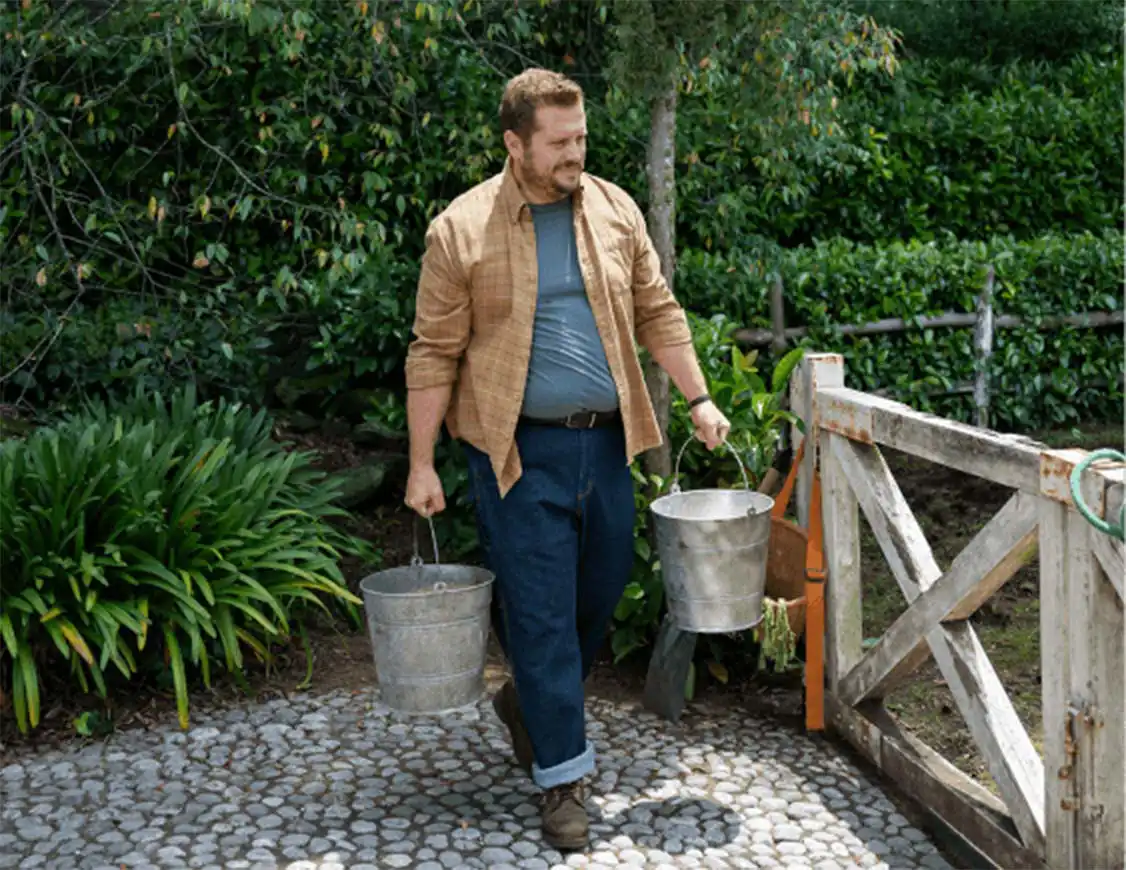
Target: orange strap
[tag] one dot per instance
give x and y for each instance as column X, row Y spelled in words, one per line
column 783, row 500
column 814, row 555
column 815, row 615
column 814, row 593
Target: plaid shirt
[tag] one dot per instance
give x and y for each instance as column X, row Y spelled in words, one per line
column 477, row 301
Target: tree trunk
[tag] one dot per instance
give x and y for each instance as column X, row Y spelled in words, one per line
column 661, row 172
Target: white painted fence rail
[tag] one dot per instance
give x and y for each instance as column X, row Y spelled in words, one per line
column 1064, row 809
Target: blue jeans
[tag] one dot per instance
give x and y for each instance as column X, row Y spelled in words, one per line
column 560, row 544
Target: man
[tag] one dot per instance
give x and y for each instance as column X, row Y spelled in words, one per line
column 534, row 285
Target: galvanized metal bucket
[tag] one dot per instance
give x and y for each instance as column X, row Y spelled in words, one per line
column 713, row 545
column 429, row 628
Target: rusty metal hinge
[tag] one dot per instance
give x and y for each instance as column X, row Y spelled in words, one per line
column 1071, row 749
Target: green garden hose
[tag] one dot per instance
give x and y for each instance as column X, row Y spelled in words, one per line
column 1114, row 530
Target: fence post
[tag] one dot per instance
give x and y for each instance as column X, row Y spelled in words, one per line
column 1083, row 661
column 1098, row 671
column 840, row 515
column 816, row 371
column 1055, row 644
column 983, row 349
column 778, row 317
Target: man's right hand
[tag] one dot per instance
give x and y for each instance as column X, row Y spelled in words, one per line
column 424, row 491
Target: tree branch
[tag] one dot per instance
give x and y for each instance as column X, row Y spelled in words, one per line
column 222, row 155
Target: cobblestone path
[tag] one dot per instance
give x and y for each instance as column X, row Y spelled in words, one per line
column 336, row 782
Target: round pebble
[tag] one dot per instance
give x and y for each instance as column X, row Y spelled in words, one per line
column 340, row 781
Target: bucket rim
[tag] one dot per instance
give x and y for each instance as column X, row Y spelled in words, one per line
column 658, row 504
column 489, row 579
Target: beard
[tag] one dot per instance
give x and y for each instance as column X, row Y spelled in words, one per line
column 556, row 180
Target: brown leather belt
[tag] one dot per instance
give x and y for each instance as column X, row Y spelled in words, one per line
column 577, row 420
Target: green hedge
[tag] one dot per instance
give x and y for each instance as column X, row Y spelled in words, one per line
column 256, row 225
column 969, row 149
column 960, row 149
column 1041, row 377
column 1000, row 30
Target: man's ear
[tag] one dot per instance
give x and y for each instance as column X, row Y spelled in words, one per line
column 514, row 145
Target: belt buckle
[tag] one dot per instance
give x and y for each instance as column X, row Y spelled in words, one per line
column 571, row 424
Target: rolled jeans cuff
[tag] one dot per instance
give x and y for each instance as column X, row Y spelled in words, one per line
column 569, row 771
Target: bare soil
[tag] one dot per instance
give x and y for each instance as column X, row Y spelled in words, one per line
column 952, row 507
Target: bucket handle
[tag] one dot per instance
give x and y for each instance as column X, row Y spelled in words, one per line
column 416, row 559
column 676, row 474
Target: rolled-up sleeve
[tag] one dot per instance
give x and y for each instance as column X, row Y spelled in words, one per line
column 443, row 316
column 659, row 320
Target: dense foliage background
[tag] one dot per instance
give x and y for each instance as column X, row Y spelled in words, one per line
column 236, row 192
column 231, row 196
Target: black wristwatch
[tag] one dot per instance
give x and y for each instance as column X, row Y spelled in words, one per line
column 699, row 400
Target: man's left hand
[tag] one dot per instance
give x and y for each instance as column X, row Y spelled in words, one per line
column 711, row 426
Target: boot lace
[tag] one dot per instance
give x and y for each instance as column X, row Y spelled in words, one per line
column 571, row 792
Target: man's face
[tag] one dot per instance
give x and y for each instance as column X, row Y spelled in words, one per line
column 552, row 160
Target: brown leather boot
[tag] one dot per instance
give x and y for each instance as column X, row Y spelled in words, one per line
column 566, row 825
column 507, row 707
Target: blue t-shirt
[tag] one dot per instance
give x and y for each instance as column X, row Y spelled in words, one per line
column 568, row 370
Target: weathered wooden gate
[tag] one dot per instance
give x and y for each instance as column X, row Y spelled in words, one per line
column 1061, row 809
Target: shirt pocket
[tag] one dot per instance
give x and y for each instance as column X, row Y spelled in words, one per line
column 619, row 266
column 491, row 295
column 617, row 271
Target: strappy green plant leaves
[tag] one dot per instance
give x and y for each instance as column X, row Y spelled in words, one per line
column 158, row 535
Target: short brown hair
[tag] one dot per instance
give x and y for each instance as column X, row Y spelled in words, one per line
column 528, row 91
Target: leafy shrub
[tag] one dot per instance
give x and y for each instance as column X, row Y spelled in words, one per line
column 153, row 536
column 108, row 349
column 274, row 163
column 755, row 407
